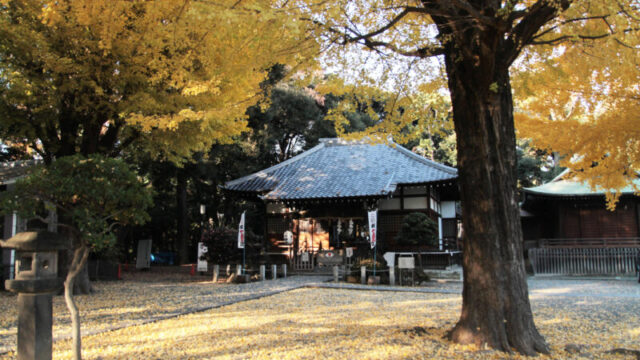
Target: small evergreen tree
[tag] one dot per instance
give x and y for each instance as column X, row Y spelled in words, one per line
column 418, row 229
column 91, row 196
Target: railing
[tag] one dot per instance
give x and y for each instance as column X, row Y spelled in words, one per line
column 584, row 261
column 298, row 262
column 433, row 259
column 590, row 243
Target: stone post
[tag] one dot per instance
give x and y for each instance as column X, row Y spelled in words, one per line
column 363, row 275
column 263, row 271
column 274, row 271
column 284, row 271
column 35, row 319
column 392, row 275
column 216, row 271
column 336, row 274
column 238, row 270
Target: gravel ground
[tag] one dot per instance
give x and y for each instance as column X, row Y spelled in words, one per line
column 623, row 288
column 118, row 304
column 566, row 310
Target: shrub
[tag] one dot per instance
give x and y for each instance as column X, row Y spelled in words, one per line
column 222, row 244
column 418, row 229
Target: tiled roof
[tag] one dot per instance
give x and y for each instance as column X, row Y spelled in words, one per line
column 10, row 171
column 339, row 168
column 572, row 187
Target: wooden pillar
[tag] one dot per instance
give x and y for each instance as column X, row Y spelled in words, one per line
column 265, row 239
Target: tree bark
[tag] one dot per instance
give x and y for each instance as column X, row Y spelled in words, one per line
column 495, row 300
column 79, row 262
column 82, row 283
column 182, row 217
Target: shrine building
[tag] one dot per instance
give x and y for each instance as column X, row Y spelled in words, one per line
column 320, row 198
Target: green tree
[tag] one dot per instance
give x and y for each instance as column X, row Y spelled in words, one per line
column 284, row 127
column 535, row 167
column 418, row 228
column 92, row 196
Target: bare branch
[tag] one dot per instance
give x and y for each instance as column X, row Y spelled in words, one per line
column 375, row 45
column 550, row 29
column 386, row 27
column 421, row 53
column 563, row 38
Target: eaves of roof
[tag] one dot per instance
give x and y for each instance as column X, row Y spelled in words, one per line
column 572, row 188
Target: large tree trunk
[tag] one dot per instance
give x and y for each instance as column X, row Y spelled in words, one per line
column 182, row 217
column 495, row 300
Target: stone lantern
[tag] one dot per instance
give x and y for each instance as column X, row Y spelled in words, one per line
column 36, row 280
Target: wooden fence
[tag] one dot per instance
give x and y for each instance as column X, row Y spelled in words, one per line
column 303, row 261
column 590, row 243
column 589, row 261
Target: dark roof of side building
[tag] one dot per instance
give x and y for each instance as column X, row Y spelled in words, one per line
column 12, row 170
column 338, row 168
column 565, row 185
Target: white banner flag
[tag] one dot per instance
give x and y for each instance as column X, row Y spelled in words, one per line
column 202, row 264
column 241, row 232
column 373, row 220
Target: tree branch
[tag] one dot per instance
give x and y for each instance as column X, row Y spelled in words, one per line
column 466, row 6
column 562, row 38
column 367, row 40
column 422, row 53
column 538, row 14
column 538, row 35
column 384, row 28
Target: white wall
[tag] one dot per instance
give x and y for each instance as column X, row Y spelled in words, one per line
column 416, row 203
column 448, row 209
column 389, row 204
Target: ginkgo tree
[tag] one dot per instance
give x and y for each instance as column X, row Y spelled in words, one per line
column 171, row 77
column 588, row 86
column 478, row 43
column 94, row 76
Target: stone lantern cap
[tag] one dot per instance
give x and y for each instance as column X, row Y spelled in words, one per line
column 37, row 241
column 36, row 261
